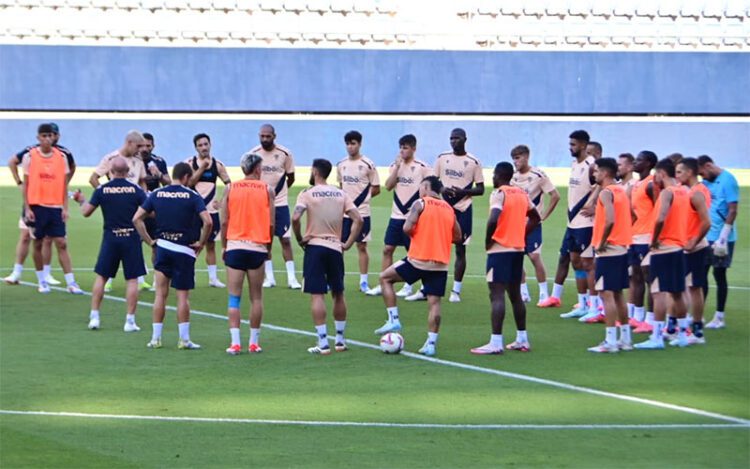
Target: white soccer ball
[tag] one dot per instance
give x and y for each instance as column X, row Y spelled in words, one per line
column 392, row 342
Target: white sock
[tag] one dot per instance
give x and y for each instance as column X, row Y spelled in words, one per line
column 582, row 300
column 595, row 302
column 47, row 269
column 543, row 291
column 457, row 286
column 362, row 278
column 140, row 279
column 130, row 318
column 631, row 310
column 625, row 336
column 290, row 276
column 393, row 314
column 650, row 318
column 525, row 290
column 17, row 269
column 254, row 335
column 269, row 272
column 322, row 335
column 156, row 330
column 184, row 328
column 432, row 338
column 611, row 335
column 521, row 336
column 496, row 340
column 234, row 333
column 70, row 278
column 40, row 277
column 557, row 291
column 658, row 328
column 94, row 314
column 719, row 315
column 639, row 313
column 211, row 272
column 682, row 324
column 340, row 328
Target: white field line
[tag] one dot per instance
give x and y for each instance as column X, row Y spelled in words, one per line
column 439, row 426
column 219, row 116
column 464, row 366
column 569, row 280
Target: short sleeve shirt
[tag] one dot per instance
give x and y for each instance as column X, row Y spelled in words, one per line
column 536, row 183
column 177, row 213
column 277, row 164
column 579, row 190
column 406, row 192
column 136, row 172
column 461, row 171
column 119, row 200
column 325, row 206
column 356, row 178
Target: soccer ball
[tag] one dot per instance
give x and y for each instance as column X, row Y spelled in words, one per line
column 392, row 342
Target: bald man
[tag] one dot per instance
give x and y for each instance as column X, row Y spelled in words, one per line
column 278, row 173
column 129, row 150
column 119, row 200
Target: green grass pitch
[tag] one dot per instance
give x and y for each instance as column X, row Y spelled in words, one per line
column 50, row 362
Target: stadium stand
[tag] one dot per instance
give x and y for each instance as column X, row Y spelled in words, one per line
column 489, row 24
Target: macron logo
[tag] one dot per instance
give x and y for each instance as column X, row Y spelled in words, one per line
column 119, row 190
column 172, row 195
column 325, row 194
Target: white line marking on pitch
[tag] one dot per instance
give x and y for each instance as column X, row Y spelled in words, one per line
column 464, row 366
column 447, row 426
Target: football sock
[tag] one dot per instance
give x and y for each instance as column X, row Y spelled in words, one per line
column 557, row 291
column 340, row 328
column 719, row 315
column 611, row 335
column 17, row 269
column 393, row 314
column 184, row 328
column 211, row 272
column 40, row 276
column 650, row 318
column 521, row 336
column 698, row 329
column 129, row 318
column 254, row 335
column 625, row 334
column 69, row 278
column 683, row 324
column 671, row 324
column 631, row 310
column 47, row 269
column 322, row 335
column 457, row 286
column 543, row 291
column 94, row 314
column 234, row 333
column 362, row 278
column 656, row 335
column 290, row 277
column 583, row 300
column 596, row 302
column 639, row 313
column 525, row 290
column 269, row 272
column 432, row 338
column 496, row 340
column 156, row 330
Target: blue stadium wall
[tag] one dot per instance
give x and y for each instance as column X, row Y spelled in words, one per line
column 387, row 94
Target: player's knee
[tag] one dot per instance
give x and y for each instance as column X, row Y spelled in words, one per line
column 362, row 248
column 61, row 243
column 388, row 250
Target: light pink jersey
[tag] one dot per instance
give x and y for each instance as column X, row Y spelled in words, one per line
column 406, row 192
column 356, row 178
column 277, row 163
column 325, row 206
column 579, row 190
column 536, row 183
column 136, row 171
column 206, row 185
column 461, row 172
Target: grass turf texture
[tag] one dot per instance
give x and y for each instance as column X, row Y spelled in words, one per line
column 50, row 361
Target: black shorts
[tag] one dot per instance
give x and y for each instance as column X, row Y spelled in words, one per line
column 283, row 222
column 576, row 240
column 433, row 281
column 534, row 240
column 611, row 273
column 394, row 234
column 245, row 259
column 48, row 222
column 696, row 274
column 504, row 267
column 465, row 220
column 667, row 272
column 125, row 249
column 636, row 253
column 364, row 235
column 177, row 266
column 323, row 268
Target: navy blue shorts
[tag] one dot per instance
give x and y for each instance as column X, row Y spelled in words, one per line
column 283, row 222
column 465, row 220
column 244, row 259
column 394, row 234
column 534, row 240
column 667, row 272
column 720, row 262
column 48, row 222
column 125, row 249
column 216, row 228
column 364, row 235
column 576, row 240
column 611, row 273
column 323, row 268
column 177, row 266
column 505, row 267
column 433, row 281
column 696, row 274
column 150, row 223
column 636, row 253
